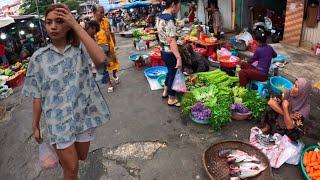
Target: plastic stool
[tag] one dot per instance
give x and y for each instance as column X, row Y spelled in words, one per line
column 261, row 87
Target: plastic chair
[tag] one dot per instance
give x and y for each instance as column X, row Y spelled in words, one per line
column 261, row 87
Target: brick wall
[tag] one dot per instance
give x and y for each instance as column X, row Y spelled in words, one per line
column 294, row 22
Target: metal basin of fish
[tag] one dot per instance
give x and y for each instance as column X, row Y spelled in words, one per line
column 217, row 168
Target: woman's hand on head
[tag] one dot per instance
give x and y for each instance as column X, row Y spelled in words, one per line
column 67, row 17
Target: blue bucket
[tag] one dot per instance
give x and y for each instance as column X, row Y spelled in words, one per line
column 155, row 72
column 280, row 58
column 280, row 84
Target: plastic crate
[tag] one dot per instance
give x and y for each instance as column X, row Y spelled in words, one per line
column 16, row 81
column 156, row 61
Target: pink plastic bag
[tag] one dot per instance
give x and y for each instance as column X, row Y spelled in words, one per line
column 179, row 83
column 47, row 156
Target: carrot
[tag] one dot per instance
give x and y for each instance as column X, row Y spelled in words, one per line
column 316, row 167
column 314, row 156
column 316, row 174
column 313, row 164
column 305, row 158
column 318, row 155
column 311, row 170
column 309, row 157
column 308, row 169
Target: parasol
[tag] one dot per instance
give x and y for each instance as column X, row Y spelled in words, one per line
column 5, row 21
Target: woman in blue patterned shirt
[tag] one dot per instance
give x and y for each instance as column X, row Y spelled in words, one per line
column 60, row 81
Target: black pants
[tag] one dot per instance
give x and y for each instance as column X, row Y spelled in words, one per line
column 271, row 119
column 171, row 62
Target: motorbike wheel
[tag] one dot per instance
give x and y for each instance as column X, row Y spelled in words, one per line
column 275, row 38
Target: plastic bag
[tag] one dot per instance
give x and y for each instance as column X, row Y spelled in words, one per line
column 47, row 156
column 179, row 84
column 283, row 151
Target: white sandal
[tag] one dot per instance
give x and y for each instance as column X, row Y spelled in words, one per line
column 117, row 80
column 110, row 89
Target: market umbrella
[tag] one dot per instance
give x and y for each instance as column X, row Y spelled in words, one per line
column 109, row 7
column 137, row 4
column 5, row 21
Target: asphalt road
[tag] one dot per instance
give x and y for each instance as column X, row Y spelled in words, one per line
column 145, row 139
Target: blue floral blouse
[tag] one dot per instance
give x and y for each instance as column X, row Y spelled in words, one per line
column 70, row 97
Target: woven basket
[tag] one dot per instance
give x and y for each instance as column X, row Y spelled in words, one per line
column 218, row 169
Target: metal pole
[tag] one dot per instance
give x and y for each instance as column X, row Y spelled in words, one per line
column 40, row 24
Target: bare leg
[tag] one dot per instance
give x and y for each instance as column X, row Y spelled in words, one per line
column 69, row 161
column 82, row 150
column 165, row 91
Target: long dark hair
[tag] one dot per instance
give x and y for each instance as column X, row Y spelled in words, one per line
column 72, row 38
column 170, row 2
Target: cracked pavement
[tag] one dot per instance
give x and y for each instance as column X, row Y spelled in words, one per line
column 144, row 140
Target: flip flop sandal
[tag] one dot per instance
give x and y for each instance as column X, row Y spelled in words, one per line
column 165, row 97
column 110, row 89
column 117, row 80
column 176, row 104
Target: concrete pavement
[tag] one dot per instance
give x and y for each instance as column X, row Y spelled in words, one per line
column 145, row 139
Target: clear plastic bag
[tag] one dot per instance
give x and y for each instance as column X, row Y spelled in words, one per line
column 47, row 156
column 179, row 83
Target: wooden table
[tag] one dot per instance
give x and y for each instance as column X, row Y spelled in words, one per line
column 210, row 47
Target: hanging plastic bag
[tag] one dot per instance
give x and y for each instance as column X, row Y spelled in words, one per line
column 47, row 156
column 179, row 84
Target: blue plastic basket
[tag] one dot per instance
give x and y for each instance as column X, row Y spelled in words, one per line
column 277, row 81
column 135, row 56
column 155, row 72
column 280, row 58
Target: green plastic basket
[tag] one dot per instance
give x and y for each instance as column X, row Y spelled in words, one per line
column 303, row 169
column 161, row 79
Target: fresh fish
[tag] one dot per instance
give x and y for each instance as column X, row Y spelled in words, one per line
column 246, row 169
column 266, row 139
column 237, row 156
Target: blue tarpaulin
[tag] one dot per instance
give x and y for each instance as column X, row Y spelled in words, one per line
column 137, row 4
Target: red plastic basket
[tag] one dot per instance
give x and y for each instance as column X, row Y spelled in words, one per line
column 230, row 64
column 16, row 81
column 156, row 61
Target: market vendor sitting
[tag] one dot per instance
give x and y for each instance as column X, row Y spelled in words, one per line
column 194, row 61
column 257, row 68
column 288, row 115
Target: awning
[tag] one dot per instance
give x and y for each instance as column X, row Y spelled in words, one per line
column 137, row 4
column 5, row 21
column 153, row 1
column 109, row 7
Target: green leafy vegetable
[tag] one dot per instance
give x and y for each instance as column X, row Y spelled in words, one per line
column 255, row 103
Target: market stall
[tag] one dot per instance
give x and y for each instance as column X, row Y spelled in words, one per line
column 11, row 77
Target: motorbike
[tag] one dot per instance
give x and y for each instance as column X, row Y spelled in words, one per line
column 275, row 31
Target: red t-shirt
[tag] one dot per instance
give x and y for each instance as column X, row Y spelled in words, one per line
column 2, row 51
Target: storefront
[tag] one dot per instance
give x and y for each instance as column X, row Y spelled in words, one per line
column 311, row 27
column 21, row 37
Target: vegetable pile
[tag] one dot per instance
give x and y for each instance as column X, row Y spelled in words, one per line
column 217, row 91
column 201, row 112
column 239, row 108
column 311, row 161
